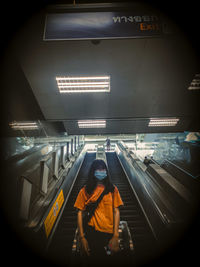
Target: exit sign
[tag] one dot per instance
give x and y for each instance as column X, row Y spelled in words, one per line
column 101, row 25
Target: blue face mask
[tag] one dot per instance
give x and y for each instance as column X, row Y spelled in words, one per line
column 100, row 174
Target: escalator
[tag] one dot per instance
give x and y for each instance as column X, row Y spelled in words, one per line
column 61, row 245
column 143, row 238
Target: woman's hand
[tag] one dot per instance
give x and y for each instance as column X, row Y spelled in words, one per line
column 85, row 246
column 114, row 244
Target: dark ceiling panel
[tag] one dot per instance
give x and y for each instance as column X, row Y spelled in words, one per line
column 19, row 97
column 149, row 77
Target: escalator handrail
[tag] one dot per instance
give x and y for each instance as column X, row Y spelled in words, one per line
column 187, row 173
column 165, row 219
column 184, row 193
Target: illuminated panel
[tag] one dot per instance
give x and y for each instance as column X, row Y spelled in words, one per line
column 195, row 84
column 159, row 122
column 24, row 125
column 83, row 84
column 92, row 124
column 53, row 214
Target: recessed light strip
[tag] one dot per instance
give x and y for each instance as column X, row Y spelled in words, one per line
column 92, row 121
column 89, row 83
column 24, row 125
column 92, row 124
column 83, row 84
column 83, row 91
column 83, row 78
column 162, row 122
column 156, row 122
column 195, row 84
column 161, row 125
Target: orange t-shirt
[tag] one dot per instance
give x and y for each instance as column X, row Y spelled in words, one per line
column 102, row 220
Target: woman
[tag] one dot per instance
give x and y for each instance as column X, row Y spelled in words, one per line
column 102, row 229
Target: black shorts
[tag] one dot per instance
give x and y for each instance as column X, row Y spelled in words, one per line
column 97, row 241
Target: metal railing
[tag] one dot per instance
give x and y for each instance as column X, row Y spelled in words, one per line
column 152, row 190
column 182, row 170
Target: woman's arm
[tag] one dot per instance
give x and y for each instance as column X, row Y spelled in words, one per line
column 114, row 242
column 116, row 222
column 84, row 242
column 80, row 223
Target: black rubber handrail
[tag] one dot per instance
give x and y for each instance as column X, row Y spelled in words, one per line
column 187, row 173
column 166, row 219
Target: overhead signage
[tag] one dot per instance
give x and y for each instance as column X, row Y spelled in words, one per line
column 53, row 213
column 101, row 25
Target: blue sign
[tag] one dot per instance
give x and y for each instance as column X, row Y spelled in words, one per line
column 101, row 25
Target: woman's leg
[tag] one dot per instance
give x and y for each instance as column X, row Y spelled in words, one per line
column 97, row 241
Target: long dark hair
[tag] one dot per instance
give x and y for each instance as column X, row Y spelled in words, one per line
column 92, row 180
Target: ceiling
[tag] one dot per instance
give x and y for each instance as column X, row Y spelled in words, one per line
column 149, row 78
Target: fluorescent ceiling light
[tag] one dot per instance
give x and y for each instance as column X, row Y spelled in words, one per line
column 156, row 122
column 24, row 125
column 92, row 124
column 195, row 84
column 83, row 78
column 83, row 84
